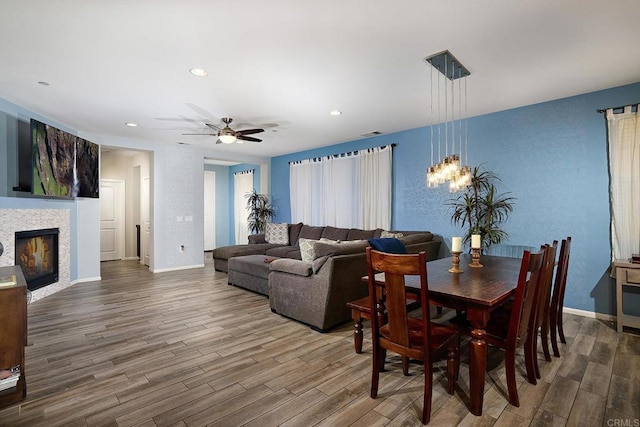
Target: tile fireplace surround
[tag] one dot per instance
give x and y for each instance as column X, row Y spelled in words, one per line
column 13, row 220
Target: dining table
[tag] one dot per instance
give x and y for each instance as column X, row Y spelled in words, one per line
column 476, row 292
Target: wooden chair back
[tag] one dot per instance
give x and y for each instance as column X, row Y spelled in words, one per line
column 524, row 301
column 557, row 298
column 393, row 300
column 544, row 292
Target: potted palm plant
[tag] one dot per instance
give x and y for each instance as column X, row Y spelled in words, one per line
column 482, row 209
column 260, row 211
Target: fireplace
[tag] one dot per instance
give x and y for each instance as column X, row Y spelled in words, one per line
column 37, row 254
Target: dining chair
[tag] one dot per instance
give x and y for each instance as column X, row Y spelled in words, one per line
column 540, row 324
column 509, row 329
column 410, row 337
column 557, row 299
column 361, row 308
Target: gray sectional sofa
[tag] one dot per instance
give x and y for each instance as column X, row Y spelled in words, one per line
column 315, row 291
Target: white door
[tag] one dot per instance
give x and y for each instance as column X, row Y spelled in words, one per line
column 145, row 233
column 111, row 220
column 209, row 210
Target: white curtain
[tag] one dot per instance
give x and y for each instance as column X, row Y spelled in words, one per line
column 624, row 170
column 242, row 184
column 348, row 190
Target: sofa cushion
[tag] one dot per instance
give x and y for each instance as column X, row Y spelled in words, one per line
column 377, row 233
column 389, row 245
column 410, row 239
column 292, row 252
column 309, row 232
column 334, row 233
column 294, row 233
column 256, row 238
column 292, row 266
column 307, row 249
column 324, row 250
column 253, row 265
column 277, row 233
column 357, row 234
column 226, row 252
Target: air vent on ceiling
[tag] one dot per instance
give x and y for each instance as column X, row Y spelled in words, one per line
column 372, row 133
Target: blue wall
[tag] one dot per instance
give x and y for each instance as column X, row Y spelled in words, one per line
column 552, row 157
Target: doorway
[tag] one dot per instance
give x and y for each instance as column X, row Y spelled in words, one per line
column 132, row 169
column 111, row 220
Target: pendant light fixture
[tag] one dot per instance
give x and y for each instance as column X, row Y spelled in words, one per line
column 448, row 131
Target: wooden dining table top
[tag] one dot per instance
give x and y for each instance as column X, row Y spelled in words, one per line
column 486, row 286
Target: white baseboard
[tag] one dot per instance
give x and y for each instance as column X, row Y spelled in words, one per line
column 591, row 314
column 186, row 267
column 86, row 279
column 131, row 258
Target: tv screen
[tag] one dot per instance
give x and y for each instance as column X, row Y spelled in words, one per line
column 64, row 165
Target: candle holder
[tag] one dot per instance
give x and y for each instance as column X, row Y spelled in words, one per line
column 455, row 262
column 475, row 258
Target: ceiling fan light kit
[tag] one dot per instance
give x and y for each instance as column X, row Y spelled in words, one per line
column 226, row 135
column 227, row 138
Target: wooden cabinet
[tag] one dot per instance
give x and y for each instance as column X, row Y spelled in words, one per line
column 627, row 274
column 13, row 334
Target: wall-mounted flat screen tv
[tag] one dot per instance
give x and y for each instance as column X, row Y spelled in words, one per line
column 64, row 165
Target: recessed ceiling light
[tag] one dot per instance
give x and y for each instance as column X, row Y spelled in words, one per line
column 335, row 112
column 43, row 83
column 198, row 72
column 131, row 124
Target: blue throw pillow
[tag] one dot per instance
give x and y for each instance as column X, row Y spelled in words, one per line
column 389, row 245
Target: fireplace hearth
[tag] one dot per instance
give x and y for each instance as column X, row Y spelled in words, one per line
column 37, row 255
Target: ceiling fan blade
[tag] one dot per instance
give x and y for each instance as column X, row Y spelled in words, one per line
column 208, row 134
column 248, row 138
column 248, row 131
column 214, row 127
column 218, row 142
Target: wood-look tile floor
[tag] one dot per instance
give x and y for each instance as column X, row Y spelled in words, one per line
column 185, row 349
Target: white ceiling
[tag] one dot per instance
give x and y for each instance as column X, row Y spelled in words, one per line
column 289, row 62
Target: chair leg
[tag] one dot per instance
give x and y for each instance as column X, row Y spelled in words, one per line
column 554, row 337
column 426, row 403
column 560, row 330
column 453, row 367
column 534, row 353
column 358, row 335
column 405, row 365
column 529, row 356
column 375, row 371
column 381, row 359
column 510, row 370
column 544, row 337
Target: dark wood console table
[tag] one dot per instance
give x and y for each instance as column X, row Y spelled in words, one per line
column 13, row 334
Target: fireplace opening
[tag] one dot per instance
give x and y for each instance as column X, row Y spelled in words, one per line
column 37, row 255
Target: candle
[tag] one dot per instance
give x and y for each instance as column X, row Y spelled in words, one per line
column 456, row 244
column 475, row 241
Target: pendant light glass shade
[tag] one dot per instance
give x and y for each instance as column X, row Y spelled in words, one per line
column 450, row 130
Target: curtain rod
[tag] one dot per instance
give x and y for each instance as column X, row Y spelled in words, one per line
column 342, row 154
column 244, row 171
column 602, row 110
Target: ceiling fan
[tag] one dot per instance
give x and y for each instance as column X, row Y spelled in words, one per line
column 226, row 135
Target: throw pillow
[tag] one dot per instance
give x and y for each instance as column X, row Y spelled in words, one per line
column 386, row 234
column 277, row 233
column 389, row 245
column 307, row 252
